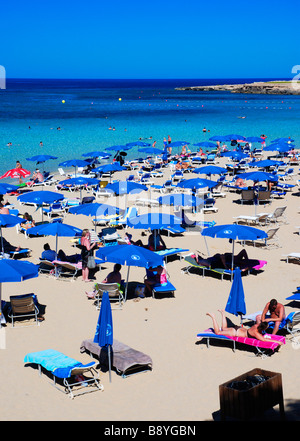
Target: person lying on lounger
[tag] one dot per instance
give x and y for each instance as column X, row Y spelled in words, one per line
column 155, row 241
column 256, row 331
column 225, row 261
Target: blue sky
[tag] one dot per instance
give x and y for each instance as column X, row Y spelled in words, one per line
column 149, row 39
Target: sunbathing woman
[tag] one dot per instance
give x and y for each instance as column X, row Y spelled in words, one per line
column 225, row 260
column 256, row 331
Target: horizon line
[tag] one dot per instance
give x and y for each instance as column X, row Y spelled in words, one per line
column 144, row 79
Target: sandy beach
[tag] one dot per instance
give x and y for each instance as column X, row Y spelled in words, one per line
column 184, row 382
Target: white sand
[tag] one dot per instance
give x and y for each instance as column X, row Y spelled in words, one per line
column 183, row 385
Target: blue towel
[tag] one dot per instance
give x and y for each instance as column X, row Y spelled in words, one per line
column 287, row 319
column 53, row 361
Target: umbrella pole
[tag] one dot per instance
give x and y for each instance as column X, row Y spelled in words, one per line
column 127, row 283
column 232, row 260
column 2, row 243
column 206, row 246
column 56, row 237
column 109, row 362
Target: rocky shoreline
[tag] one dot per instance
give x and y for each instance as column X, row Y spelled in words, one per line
column 269, row 88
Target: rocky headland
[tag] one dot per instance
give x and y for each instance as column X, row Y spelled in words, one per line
column 269, row 88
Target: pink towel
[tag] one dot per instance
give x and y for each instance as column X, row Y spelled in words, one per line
column 260, row 265
column 250, row 341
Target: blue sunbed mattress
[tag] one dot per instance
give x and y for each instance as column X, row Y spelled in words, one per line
column 56, row 362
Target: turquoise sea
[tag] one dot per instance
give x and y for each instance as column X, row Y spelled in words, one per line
column 31, row 111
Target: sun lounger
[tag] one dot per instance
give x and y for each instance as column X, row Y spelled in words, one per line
column 125, row 360
column 292, row 256
column 23, row 306
column 20, row 253
column 257, row 265
column 66, row 369
column 260, row 218
column 262, row 347
column 171, row 252
column 163, row 288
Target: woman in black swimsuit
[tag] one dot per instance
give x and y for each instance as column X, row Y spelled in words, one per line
column 86, row 251
column 256, row 331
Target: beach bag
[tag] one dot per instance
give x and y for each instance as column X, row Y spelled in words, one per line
column 91, row 264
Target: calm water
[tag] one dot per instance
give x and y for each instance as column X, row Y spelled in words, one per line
column 32, row 110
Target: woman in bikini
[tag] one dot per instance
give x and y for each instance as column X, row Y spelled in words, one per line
column 256, row 331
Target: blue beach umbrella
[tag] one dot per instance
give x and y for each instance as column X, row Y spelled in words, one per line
column 151, row 151
column 235, row 137
column 154, row 221
column 283, row 140
column 41, row 158
column 130, row 255
column 138, row 144
column 178, row 143
column 205, row 144
column 220, row 138
column 210, row 170
column 253, row 139
column 196, row 183
column 180, row 200
column 265, row 163
column 109, row 168
column 95, row 209
column 278, row 147
column 40, row 197
column 234, row 232
column 74, row 163
column 15, row 271
column 118, row 148
column 125, row 187
column 97, row 154
column 79, row 181
column 104, row 329
column 258, row 176
column 7, row 188
column 236, row 301
column 56, row 229
column 8, row 220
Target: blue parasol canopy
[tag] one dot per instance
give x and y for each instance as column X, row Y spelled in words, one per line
column 41, row 158
column 130, row 255
column 154, row 221
column 138, row 144
column 205, row 144
column 180, row 200
column 125, row 187
column 40, row 197
column 253, row 139
column 210, row 170
column 7, row 188
column 96, row 154
column 151, row 151
column 278, row 147
column 195, row 183
column 117, row 148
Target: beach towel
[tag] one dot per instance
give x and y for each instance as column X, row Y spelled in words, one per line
column 53, row 361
